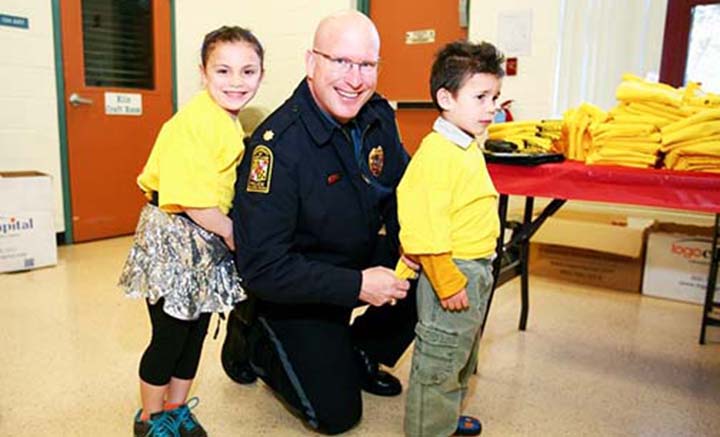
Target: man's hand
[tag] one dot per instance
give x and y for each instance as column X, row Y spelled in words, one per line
column 456, row 302
column 381, row 286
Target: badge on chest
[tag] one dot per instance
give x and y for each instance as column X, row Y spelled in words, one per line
column 376, row 160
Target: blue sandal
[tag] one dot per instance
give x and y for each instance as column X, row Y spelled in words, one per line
column 468, row 425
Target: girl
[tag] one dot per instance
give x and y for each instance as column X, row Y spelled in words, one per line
column 180, row 261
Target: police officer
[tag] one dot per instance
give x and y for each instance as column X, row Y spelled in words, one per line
column 316, row 230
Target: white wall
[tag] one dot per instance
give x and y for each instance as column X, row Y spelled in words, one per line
column 284, row 28
column 533, row 88
column 579, row 49
column 29, row 138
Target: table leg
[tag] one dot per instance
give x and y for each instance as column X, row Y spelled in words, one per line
column 707, row 319
column 525, row 264
column 499, row 251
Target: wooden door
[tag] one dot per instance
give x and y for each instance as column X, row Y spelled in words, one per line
column 118, row 92
column 411, row 32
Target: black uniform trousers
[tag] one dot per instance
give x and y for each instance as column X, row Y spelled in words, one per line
column 304, row 353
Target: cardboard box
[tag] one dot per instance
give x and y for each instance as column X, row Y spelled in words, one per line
column 27, row 231
column 592, row 249
column 678, row 263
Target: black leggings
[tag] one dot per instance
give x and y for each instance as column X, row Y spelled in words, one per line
column 175, row 347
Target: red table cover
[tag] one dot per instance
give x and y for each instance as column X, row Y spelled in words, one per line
column 573, row 180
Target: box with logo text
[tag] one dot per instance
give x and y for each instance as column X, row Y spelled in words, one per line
column 27, row 231
column 678, row 262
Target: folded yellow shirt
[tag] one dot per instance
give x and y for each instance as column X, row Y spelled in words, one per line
column 700, row 130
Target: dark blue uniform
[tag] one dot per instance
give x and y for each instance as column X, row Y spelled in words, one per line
column 309, row 208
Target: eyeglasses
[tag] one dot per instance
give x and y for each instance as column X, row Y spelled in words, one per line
column 345, row 65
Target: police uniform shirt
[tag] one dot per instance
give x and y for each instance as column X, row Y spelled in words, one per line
column 194, row 159
column 309, row 209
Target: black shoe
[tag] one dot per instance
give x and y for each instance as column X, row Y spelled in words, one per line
column 234, row 357
column 373, row 380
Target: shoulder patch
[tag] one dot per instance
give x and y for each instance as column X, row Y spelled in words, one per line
column 261, row 166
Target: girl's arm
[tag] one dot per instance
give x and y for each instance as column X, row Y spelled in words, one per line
column 213, row 220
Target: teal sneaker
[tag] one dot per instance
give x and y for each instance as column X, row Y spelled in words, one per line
column 160, row 424
column 187, row 422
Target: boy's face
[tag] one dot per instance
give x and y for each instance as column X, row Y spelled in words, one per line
column 473, row 107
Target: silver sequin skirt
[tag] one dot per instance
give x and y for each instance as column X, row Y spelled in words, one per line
column 175, row 259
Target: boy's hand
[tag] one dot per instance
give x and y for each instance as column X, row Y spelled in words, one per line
column 456, row 302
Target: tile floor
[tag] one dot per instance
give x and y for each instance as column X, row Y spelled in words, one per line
column 592, row 362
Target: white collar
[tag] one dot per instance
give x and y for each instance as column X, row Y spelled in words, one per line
column 452, row 133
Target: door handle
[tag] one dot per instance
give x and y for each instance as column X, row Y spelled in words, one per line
column 76, row 100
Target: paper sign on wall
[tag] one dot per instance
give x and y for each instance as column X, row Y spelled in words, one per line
column 123, row 104
column 515, row 32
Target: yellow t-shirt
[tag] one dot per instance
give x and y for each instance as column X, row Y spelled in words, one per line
column 447, row 202
column 192, row 163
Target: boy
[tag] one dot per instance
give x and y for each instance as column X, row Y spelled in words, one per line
column 447, row 207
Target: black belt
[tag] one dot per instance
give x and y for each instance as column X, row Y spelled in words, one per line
column 154, row 196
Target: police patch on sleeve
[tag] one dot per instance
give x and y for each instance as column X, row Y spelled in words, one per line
column 260, row 170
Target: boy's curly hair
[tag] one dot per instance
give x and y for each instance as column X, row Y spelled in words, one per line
column 458, row 60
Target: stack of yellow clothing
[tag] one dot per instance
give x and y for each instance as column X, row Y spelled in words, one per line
column 529, row 136
column 631, row 134
column 624, row 143
column 693, row 143
column 576, row 127
column 635, row 89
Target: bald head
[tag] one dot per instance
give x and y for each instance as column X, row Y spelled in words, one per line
column 348, row 24
column 342, row 64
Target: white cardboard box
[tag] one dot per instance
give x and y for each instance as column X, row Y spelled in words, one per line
column 677, row 263
column 27, row 231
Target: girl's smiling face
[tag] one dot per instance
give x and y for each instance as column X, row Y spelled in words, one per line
column 232, row 74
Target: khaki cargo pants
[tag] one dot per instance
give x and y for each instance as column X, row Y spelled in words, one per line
column 445, row 354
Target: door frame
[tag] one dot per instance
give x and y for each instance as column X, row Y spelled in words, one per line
column 675, row 41
column 363, row 6
column 66, row 237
